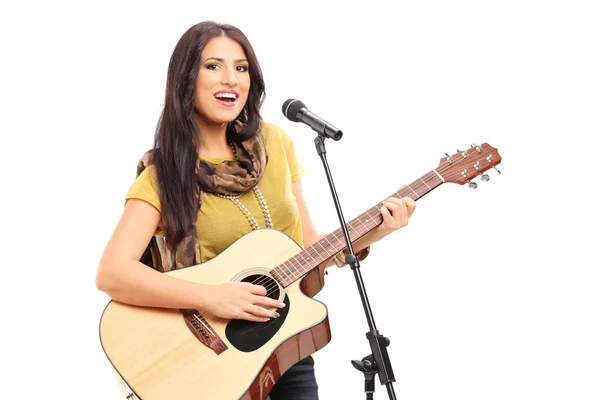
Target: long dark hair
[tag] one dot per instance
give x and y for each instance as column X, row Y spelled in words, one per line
column 177, row 141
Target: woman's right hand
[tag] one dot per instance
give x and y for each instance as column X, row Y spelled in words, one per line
column 242, row 300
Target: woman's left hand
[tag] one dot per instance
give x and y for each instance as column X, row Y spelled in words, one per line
column 396, row 213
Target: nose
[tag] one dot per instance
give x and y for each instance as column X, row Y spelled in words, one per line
column 229, row 77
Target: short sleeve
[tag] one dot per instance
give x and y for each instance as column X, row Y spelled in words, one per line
column 296, row 169
column 145, row 187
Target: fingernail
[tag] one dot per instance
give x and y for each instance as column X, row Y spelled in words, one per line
column 276, row 315
column 281, row 305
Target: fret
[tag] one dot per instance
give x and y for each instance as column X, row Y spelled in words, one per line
column 413, row 191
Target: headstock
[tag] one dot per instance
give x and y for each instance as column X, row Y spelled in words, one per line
column 465, row 165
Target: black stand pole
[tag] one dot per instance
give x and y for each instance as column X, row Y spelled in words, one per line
column 378, row 361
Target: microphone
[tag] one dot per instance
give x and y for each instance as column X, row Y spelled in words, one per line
column 296, row 111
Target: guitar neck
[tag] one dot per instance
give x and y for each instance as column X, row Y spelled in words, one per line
column 299, row 265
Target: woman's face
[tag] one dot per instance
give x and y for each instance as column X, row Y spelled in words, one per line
column 223, row 81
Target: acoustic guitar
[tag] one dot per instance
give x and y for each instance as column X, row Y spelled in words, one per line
column 164, row 354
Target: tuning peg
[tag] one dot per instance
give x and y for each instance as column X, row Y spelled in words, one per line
column 472, row 185
column 497, row 170
column 485, row 177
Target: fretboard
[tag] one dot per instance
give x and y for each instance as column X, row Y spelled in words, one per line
column 309, row 258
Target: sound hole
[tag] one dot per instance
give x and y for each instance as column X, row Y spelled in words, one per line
column 265, row 281
column 249, row 336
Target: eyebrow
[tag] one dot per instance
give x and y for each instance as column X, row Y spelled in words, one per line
column 223, row 60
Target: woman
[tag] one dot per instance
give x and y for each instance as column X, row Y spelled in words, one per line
column 215, row 173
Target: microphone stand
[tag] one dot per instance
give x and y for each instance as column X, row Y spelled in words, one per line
column 378, row 361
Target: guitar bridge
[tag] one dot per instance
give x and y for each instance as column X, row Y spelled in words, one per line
column 203, row 331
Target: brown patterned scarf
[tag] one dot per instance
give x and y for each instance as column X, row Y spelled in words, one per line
column 234, row 178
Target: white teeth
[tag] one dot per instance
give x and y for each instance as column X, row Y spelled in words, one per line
column 225, row 96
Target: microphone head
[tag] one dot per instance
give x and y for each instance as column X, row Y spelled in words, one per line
column 290, row 109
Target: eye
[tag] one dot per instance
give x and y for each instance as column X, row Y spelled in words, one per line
column 242, row 68
column 212, row 67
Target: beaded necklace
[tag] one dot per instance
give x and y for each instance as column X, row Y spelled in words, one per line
column 261, row 201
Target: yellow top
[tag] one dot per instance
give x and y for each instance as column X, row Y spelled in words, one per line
column 220, row 222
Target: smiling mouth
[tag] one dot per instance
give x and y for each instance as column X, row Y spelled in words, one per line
column 226, row 98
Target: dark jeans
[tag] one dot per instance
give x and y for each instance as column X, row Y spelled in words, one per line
column 297, row 383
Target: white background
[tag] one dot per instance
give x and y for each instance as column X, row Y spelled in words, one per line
column 490, row 293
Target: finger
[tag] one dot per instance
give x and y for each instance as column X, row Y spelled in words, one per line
column 399, row 213
column 258, row 289
column 267, row 302
column 410, row 205
column 403, row 213
column 395, row 209
column 250, row 317
column 393, row 206
column 405, row 210
column 395, row 200
column 387, row 216
column 259, row 311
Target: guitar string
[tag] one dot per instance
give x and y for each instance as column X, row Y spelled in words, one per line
column 294, row 271
column 269, row 279
column 444, row 168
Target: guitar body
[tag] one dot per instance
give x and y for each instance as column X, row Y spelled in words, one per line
column 184, row 354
